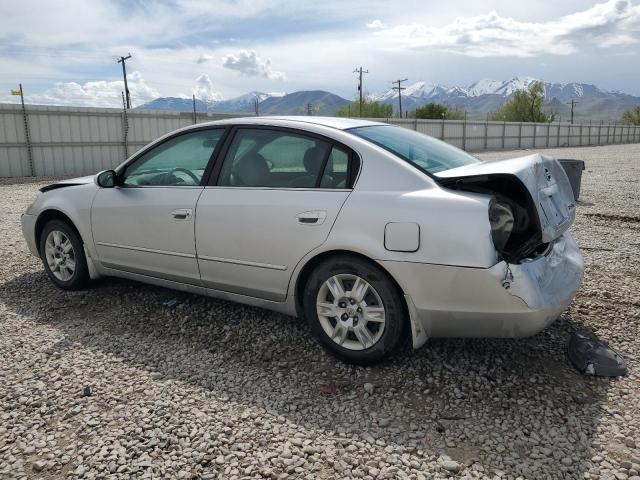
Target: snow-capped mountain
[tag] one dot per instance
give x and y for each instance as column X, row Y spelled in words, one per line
column 488, row 95
column 477, row 99
column 488, row 86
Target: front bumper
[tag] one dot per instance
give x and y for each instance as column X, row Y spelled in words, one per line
column 29, row 232
column 447, row 301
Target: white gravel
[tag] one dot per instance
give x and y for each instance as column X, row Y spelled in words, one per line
column 109, row 383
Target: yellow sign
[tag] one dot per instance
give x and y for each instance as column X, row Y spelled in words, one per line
column 15, row 92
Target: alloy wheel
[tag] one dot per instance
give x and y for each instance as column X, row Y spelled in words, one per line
column 60, row 255
column 350, row 311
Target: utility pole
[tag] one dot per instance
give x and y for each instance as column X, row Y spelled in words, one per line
column 124, row 74
column 195, row 118
column 573, row 104
column 399, row 88
column 309, row 109
column 256, row 106
column 359, row 71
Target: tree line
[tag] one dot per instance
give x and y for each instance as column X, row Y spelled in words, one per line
column 524, row 106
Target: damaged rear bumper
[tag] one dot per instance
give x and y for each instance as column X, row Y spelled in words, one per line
column 501, row 301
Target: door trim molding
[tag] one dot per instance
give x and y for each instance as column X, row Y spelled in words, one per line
column 148, row 250
column 242, row 262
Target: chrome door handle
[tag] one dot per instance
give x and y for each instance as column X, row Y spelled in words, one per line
column 182, row 214
column 314, row 217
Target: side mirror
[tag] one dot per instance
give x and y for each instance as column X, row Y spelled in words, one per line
column 106, row 179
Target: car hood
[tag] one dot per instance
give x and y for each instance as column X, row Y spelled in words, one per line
column 543, row 177
column 69, row 182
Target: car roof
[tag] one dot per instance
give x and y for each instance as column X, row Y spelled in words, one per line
column 339, row 123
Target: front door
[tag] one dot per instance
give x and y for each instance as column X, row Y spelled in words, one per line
column 277, row 196
column 146, row 224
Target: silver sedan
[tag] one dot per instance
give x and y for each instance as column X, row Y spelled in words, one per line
column 370, row 232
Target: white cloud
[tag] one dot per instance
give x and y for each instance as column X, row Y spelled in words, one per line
column 248, row 63
column 204, row 58
column 615, row 23
column 98, row 93
column 204, row 89
column 377, row 23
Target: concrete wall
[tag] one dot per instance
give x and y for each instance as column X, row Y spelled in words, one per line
column 72, row 141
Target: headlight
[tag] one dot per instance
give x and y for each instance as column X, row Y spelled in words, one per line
column 501, row 220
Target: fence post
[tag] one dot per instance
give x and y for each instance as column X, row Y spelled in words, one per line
column 628, row 129
column 589, row 132
column 442, row 133
column 569, row 132
column 125, row 132
column 464, row 132
column 27, row 134
column 415, row 124
column 486, row 133
column 535, row 134
column 580, row 134
column 548, row 129
column 599, row 133
column 504, row 132
column 520, row 135
column 558, row 139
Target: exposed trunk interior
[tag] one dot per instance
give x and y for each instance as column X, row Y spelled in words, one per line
column 526, row 237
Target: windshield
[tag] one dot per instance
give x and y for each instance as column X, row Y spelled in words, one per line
column 422, row 151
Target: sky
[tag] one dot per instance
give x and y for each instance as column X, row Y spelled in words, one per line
column 64, row 52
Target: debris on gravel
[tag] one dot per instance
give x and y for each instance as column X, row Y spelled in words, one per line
column 110, row 382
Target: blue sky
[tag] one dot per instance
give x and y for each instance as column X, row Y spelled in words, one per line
column 64, row 52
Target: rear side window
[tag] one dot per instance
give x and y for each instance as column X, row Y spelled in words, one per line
column 422, row 151
column 283, row 159
column 337, row 170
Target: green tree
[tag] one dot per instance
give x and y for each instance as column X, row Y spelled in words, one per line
column 524, row 106
column 430, row 110
column 369, row 110
column 632, row 116
column 437, row 111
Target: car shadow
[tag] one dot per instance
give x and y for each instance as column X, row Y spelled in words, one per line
column 453, row 396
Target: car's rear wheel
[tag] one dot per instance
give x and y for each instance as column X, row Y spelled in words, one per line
column 63, row 257
column 354, row 309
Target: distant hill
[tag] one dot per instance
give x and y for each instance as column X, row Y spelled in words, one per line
column 485, row 96
column 322, row 103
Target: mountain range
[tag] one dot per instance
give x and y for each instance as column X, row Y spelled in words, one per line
column 478, row 99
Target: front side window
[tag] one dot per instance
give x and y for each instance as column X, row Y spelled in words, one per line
column 427, row 153
column 279, row 159
column 180, row 161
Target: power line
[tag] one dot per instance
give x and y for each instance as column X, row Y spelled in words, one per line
column 399, row 88
column 359, row 71
column 124, row 74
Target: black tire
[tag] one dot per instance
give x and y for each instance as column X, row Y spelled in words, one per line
column 79, row 279
column 393, row 303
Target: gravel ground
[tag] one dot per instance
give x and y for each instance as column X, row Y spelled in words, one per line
column 110, row 383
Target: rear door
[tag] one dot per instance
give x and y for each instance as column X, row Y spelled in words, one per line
column 274, row 198
column 146, row 224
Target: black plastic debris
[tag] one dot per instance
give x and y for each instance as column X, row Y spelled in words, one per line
column 573, row 169
column 171, row 303
column 592, row 356
column 87, row 391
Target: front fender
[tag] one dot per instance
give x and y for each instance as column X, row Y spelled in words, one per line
column 75, row 203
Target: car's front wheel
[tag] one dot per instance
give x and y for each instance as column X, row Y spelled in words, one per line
column 354, row 309
column 63, row 256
